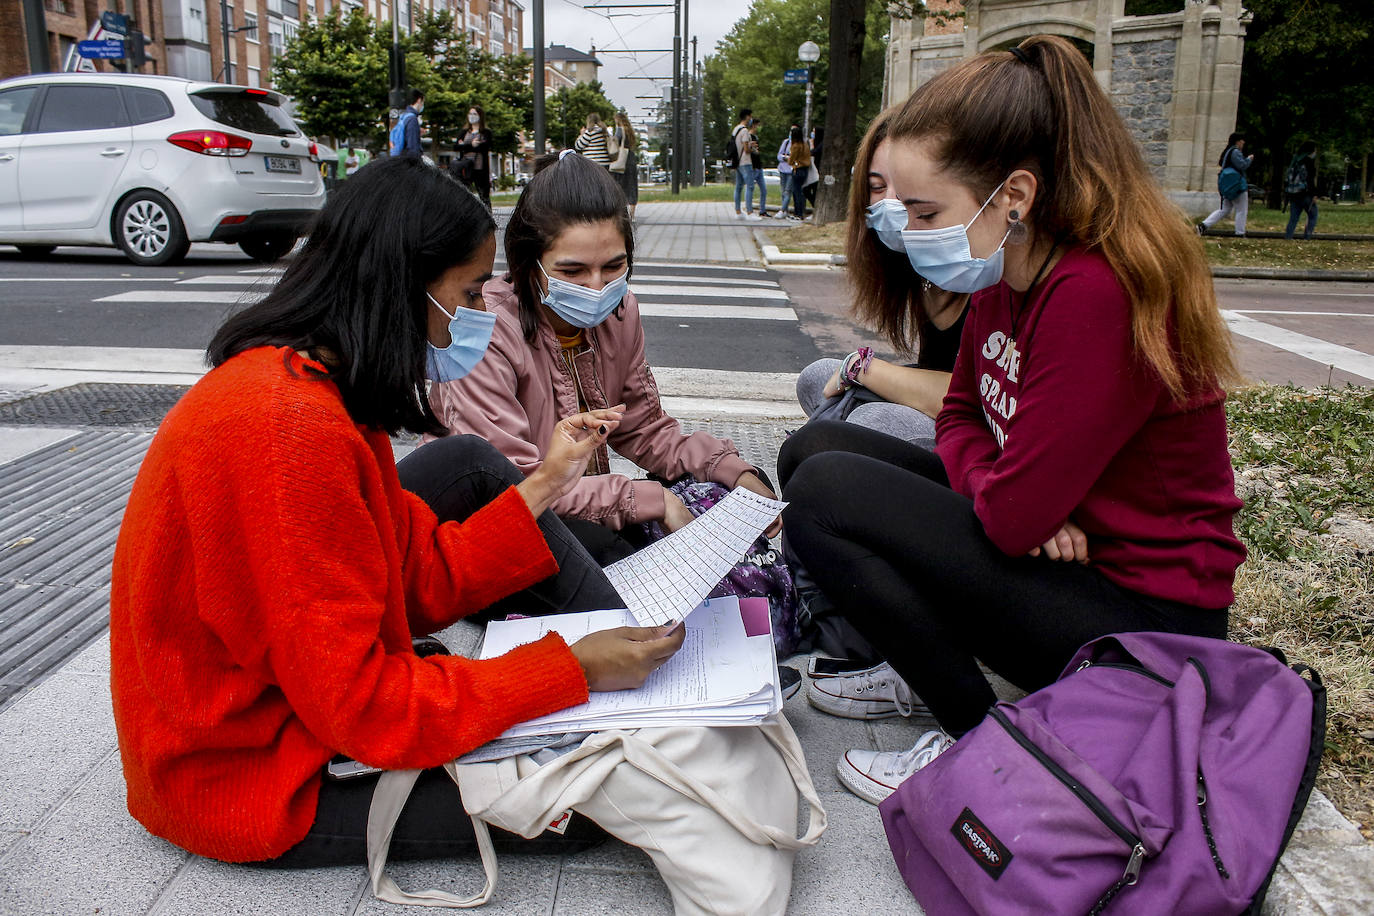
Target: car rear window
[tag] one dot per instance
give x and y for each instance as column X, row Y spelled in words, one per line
column 14, row 105
column 253, row 113
column 146, row 105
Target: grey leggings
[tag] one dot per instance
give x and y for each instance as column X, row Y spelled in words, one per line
column 882, row 416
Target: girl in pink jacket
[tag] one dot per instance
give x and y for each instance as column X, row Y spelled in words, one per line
column 568, row 338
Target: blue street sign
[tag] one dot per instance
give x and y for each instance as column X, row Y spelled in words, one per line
column 794, row 77
column 104, row 49
column 115, row 22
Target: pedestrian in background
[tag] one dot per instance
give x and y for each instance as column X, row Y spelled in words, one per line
column 813, row 180
column 351, row 163
column 785, row 171
column 472, row 163
column 405, row 136
column 799, row 166
column 743, row 163
column 594, row 142
column 625, row 169
column 1233, row 158
column 1300, row 185
column 756, row 160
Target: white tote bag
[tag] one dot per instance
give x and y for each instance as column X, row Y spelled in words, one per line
column 715, row 808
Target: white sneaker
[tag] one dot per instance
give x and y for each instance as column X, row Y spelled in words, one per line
column 739, row 215
column 753, row 216
column 780, row 215
column 873, row 693
column 874, row 775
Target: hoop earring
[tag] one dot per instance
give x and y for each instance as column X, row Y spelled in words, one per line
column 1017, row 233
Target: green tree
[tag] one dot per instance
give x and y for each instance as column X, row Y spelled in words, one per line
column 565, row 112
column 1308, row 74
column 336, row 71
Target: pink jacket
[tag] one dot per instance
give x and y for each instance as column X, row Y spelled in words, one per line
column 519, row 391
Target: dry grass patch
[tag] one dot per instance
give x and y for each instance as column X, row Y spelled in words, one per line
column 808, row 237
column 1290, row 254
column 1304, row 464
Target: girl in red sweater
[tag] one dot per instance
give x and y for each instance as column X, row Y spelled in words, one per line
column 1083, row 484
column 273, row 566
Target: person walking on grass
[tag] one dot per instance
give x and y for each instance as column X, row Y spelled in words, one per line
column 785, row 171
column 1300, row 185
column 1235, row 195
column 744, row 164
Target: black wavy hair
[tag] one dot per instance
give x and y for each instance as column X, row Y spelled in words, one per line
column 357, row 288
column 563, row 192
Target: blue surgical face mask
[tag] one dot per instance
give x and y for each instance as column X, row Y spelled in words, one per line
column 943, row 257
column 470, row 330
column 582, row 307
column 887, row 218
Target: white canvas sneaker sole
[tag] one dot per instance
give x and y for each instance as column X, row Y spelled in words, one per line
column 875, row 707
column 860, row 783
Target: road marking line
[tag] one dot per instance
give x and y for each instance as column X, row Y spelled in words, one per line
column 87, row 279
column 199, row 297
column 755, row 312
column 1297, row 312
column 704, row 281
column 1320, row 351
column 708, row 292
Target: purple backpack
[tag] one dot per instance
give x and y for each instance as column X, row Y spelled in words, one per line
column 1159, row 774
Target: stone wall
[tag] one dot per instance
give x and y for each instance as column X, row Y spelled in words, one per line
column 1142, row 89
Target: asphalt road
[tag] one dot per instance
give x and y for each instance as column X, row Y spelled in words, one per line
column 695, row 316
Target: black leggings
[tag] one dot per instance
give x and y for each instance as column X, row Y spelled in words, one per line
column 905, row 559
column 456, row 476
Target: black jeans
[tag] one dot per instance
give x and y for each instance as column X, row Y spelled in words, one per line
column 457, row 476
column 905, row 559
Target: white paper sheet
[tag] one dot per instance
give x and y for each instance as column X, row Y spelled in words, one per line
column 720, row 676
column 663, row 582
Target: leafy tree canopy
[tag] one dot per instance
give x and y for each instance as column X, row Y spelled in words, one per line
column 565, row 112
column 336, row 69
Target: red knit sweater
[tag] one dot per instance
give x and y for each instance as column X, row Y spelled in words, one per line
column 269, row 574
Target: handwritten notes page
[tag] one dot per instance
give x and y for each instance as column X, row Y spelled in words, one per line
column 663, row 582
column 720, row 676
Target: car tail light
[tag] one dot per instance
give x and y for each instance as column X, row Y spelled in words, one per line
column 314, row 152
column 211, row 142
column 233, row 220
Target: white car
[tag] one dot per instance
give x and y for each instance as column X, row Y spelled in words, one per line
column 151, row 164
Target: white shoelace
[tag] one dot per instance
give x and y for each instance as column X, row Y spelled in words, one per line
column 901, row 693
column 931, row 745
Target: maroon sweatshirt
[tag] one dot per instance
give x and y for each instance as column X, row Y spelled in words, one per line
column 1051, row 415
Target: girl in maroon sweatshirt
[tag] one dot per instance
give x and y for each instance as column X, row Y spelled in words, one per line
column 1082, row 484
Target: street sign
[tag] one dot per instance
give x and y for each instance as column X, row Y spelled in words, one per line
column 104, row 49
column 794, row 77
column 115, row 22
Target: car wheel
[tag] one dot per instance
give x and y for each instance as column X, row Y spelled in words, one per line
column 268, row 247
column 35, row 251
column 149, row 230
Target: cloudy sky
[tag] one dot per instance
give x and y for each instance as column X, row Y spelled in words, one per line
column 567, row 23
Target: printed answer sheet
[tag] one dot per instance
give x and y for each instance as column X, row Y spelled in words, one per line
column 662, row 583
column 720, row 676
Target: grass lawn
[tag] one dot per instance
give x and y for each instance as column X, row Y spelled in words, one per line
column 1341, row 219
column 1304, row 460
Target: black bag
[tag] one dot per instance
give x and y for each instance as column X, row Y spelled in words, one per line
column 732, row 152
column 463, row 169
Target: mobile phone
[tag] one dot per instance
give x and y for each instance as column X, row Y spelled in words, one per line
column 835, row 667
column 342, row 767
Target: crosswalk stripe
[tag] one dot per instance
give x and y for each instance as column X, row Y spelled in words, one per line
column 708, row 292
column 683, row 310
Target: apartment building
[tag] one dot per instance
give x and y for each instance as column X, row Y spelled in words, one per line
column 41, row 35
column 565, row 67
column 227, row 40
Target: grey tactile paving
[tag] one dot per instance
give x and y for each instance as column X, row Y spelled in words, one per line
column 94, row 404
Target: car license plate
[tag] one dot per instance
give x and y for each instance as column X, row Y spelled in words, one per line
column 283, row 164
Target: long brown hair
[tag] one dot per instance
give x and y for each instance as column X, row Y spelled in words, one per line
column 886, row 289
column 623, row 122
column 1040, row 108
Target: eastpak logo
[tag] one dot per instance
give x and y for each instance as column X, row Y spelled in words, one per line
column 978, row 841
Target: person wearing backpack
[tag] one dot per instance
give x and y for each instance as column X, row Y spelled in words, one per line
column 1231, row 186
column 1082, row 484
column 739, row 149
column 1300, row 185
column 405, row 136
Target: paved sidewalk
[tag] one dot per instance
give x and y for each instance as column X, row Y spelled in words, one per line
column 693, row 232
column 67, row 844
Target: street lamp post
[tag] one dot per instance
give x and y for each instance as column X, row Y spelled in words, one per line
column 809, row 53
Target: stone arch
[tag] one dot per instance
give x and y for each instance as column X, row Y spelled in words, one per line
column 1080, row 33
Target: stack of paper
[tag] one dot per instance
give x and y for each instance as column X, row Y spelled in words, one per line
column 663, row 582
column 724, row 674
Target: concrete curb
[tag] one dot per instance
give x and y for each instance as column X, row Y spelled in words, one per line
column 1274, row 234
column 1283, row 273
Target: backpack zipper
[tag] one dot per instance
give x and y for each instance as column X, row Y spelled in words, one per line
column 1093, row 803
column 1122, row 666
column 1207, row 827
